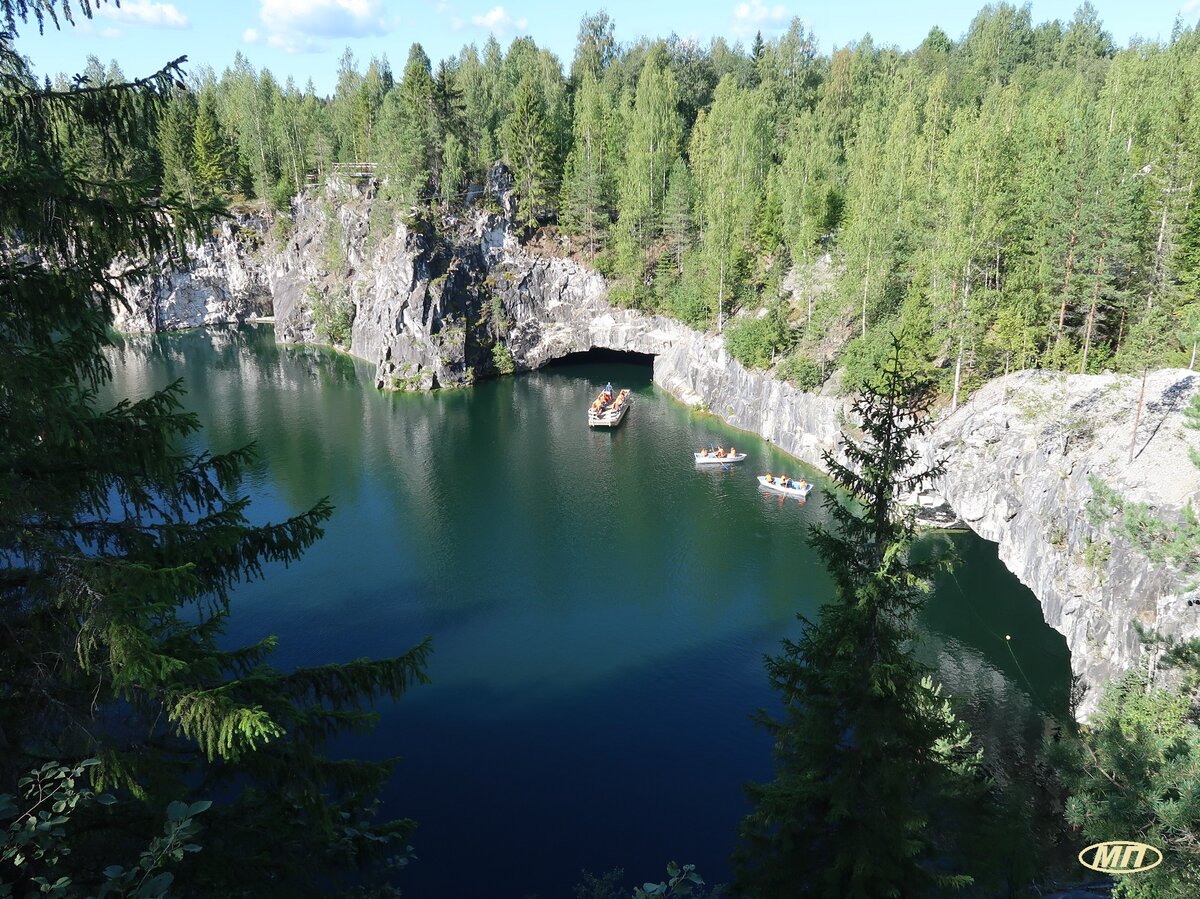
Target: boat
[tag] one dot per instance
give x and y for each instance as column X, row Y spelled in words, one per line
column 713, row 459
column 789, row 491
column 608, row 409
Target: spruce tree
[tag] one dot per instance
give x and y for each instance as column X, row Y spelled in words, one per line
column 176, row 128
column 587, row 190
column 119, row 549
column 212, row 167
column 409, row 147
column 678, row 220
column 867, row 752
column 526, row 144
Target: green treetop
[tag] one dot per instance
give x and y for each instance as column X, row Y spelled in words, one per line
column 869, row 758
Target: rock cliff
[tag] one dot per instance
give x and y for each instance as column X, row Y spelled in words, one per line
column 437, row 304
column 226, row 281
column 1024, row 456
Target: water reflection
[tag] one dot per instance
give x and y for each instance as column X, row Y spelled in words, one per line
column 599, row 607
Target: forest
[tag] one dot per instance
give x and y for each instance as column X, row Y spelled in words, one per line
column 1024, row 196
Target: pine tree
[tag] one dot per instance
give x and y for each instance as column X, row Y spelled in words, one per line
column 1130, row 772
column 119, row 549
column 868, row 753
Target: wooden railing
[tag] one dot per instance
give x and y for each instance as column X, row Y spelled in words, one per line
column 359, row 170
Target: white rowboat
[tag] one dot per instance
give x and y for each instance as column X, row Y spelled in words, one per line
column 790, row 491
column 710, row 459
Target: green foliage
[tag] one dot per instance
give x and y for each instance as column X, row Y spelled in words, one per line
column 46, row 830
column 1176, row 543
column 211, row 162
column 802, row 371
column 587, row 180
column 333, row 314
column 871, row 763
column 755, row 341
column 729, row 151
column 120, row 545
column 502, row 359
column 681, row 881
column 1024, row 196
column 651, row 148
column 526, row 141
column 1131, row 774
column 333, row 257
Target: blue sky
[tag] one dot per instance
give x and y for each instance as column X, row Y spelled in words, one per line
column 304, row 38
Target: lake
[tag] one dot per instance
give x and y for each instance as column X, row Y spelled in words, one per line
column 599, row 606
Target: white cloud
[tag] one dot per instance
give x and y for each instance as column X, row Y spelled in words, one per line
column 757, row 16
column 1190, row 6
column 145, row 12
column 299, row 25
column 498, row 21
column 110, row 32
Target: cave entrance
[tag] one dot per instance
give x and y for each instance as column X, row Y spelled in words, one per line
column 604, row 356
column 598, row 365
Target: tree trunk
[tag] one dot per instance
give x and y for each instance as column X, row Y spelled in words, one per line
column 1192, row 364
column 1091, row 319
column 1062, row 309
column 1158, row 250
column 721, row 300
column 957, row 375
column 1069, row 267
column 1137, row 419
column 866, row 287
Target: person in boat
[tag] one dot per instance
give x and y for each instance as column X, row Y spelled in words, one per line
column 770, row 478
column 785, row 481
column 720, row 453
column 803, row 484
column 732, row 451
column 702, row 452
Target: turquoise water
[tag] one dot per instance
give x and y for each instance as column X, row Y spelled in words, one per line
column 599, row 606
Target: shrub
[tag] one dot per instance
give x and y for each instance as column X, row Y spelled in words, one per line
column 503, row 360
column 281, row 230
column 754, row 342
column 805, row 373
column 281, row 196
column 333, row 314
column 687, row 303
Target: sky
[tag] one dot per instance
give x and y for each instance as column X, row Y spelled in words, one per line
column 305, row 38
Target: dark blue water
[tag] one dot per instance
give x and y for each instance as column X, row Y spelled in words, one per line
column 599, row 607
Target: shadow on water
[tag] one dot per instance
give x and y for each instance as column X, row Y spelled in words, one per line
column 600, row 607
